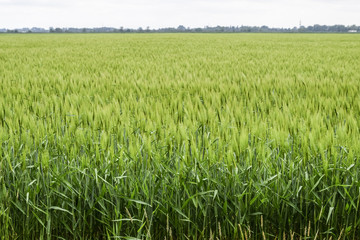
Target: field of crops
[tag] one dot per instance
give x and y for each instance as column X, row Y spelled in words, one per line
column 179, row 136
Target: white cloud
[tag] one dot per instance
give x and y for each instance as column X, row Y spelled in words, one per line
column 162, row 13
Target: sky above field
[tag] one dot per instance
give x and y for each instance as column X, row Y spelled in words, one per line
column 171, row 13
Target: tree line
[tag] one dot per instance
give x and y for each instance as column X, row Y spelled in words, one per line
column 218, row 29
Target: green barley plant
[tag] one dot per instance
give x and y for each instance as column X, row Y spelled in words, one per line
column 179, row 136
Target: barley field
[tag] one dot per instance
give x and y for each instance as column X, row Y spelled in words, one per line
column 179, row 136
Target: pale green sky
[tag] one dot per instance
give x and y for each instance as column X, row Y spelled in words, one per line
column 171, row 13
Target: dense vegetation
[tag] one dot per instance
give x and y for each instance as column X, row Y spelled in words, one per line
column 182, row 29
column 179, row 136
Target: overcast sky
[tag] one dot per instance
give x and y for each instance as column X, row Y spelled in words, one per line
column 171, row 13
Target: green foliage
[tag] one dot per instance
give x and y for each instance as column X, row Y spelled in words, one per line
column 179, row 136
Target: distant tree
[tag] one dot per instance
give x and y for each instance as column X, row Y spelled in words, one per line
column 264, row 28
column 181, row 28
column 302, row 29
column 310, row 29
column 58, row 30
column 353, row 27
